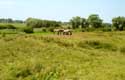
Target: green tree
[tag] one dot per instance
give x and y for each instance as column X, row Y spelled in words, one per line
column 119, row 23
column 31, row 22
column 77, row 21
column 83, row 23
column 107, row 27
column 39, row 23
column 94, row 21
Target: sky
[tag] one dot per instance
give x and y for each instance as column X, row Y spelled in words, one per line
column 61, row 10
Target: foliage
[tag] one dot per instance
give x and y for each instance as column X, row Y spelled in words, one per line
column 38, row 23
column 82, row 56
column 107, row 27
column 7, row 26
column 9, row 20
column 28, row 30
column 90, row 24
column 119, row 23
column 77, row 22
column 94, row 21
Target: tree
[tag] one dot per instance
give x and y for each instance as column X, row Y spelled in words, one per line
column 39, row 23
column 9, row 20
column 31, row 22
column 18, row 21
column 119, row 23
column 94, row 21
column 107, row 26
column 77, row 21
column 83, row 23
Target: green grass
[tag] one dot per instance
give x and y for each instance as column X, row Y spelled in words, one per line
column 83, row 56
column 18, row 25
column 19, row 28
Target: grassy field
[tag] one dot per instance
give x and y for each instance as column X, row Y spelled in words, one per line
column 82, row 56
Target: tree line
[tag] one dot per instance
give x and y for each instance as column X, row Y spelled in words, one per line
column 39, row 23
column 93, row 22
column 9, row 20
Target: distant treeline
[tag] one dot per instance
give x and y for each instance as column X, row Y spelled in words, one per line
column 39, row 23
column 92, row 23
column 9, row 20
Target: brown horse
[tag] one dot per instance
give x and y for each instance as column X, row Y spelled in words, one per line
column 58, row 31
column 67, row 32
column 63, row 31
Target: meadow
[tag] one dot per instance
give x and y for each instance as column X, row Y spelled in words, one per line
column 82, row 56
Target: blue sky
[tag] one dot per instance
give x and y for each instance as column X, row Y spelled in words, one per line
column 62, row 10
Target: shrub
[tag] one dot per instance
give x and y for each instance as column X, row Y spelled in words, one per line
column 7, row 26
column 10, row 26
column 2, row 26
column 28, row 30
column 51, row 29
column 44, row 30
column 90, row 29
column 83, row 29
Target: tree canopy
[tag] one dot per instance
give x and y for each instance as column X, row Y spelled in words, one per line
column 38, row 23
column 119, row 23
column 94, row 21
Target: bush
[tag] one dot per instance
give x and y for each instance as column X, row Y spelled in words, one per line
column 10, row 26
column 7, row 26
column 2, row 26
column 44, row 30
column 51, row 29
column 90, row 29
column 28, row 30
column 83, row 30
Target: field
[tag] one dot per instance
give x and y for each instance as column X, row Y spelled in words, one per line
column 82, row 56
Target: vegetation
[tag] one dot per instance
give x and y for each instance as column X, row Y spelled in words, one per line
column 38, row 23
column 92, row 23
column 9, row 20
column 83, row 56
column 119, row 23
column 95, row 51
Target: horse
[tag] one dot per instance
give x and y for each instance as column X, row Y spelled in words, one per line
column 63, row 31
column 67, row 32
column 58, row 31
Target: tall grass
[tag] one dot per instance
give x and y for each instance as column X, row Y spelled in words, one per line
column 82, row 56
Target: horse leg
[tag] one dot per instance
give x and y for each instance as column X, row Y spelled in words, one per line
column 70, row 33
column 58, row 33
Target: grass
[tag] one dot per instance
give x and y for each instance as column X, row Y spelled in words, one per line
column 19, row 28
column 82, row 56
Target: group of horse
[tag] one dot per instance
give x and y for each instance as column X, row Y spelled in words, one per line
column 63, row 31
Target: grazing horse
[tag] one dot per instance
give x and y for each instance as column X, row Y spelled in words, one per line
column 58, row 31
column 67, row 32
column 63, row 31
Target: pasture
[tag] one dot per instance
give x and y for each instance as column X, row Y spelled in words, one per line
column 82, row 56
